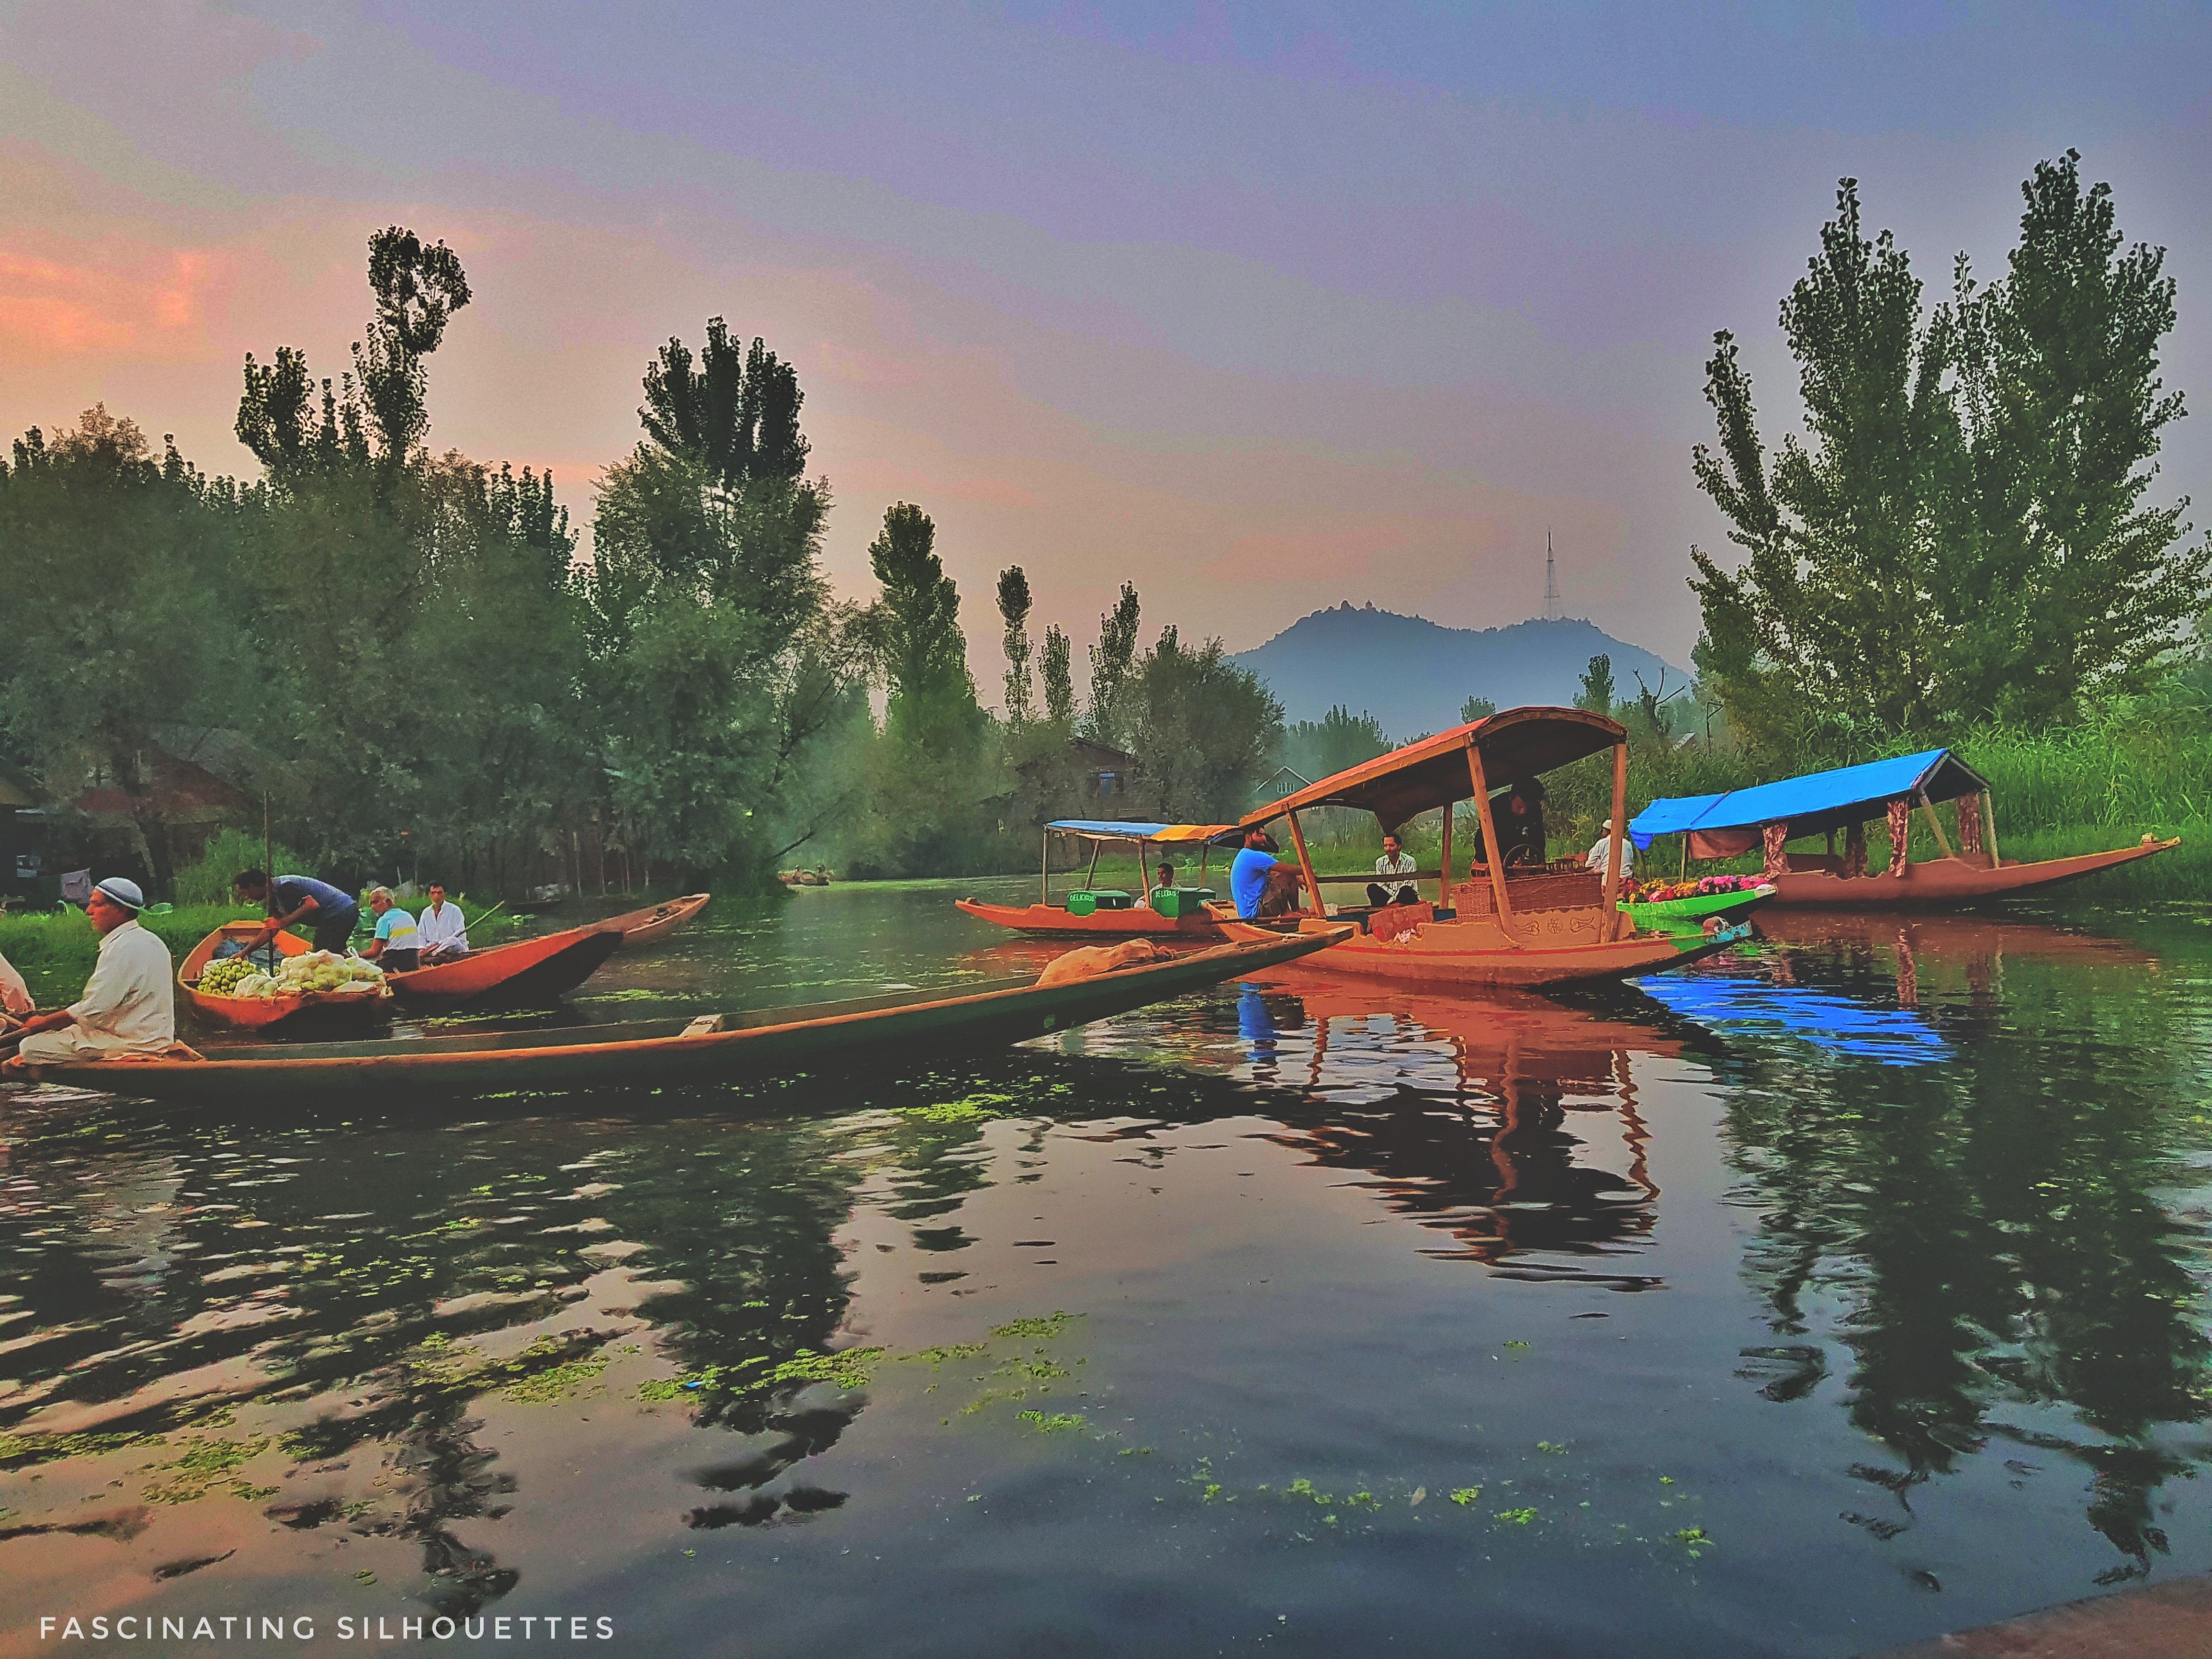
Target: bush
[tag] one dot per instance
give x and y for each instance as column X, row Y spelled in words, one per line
column 208, row 881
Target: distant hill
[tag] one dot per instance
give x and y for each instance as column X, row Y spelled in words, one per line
column 1413, row 674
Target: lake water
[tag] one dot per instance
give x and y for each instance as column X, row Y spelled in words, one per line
column 1846, row 1289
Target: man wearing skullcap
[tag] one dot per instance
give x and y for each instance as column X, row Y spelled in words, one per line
column 128, row 1005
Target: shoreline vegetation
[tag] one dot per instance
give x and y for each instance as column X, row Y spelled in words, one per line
column 1957, row 544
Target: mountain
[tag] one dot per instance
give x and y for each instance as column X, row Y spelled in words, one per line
column 1413, row 674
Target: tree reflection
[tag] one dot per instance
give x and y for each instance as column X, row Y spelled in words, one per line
column 1995, row 1228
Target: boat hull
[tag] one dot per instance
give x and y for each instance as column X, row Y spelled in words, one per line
column 529, row 967
column 1946, row 883
column 1444, row 956
column 910, row 1026
column 282, row 1016
column 657, row 921
column 1049, row 921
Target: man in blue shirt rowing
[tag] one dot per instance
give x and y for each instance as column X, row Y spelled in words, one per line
column 329, row 915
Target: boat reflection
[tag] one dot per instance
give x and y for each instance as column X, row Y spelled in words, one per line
column 1508, row 1123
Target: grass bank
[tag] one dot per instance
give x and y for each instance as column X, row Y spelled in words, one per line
column 55, row 950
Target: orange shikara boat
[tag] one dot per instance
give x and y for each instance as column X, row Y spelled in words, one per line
column 1772, row 815
column 1181, row 912
column 1533, row 925
column 643, row 926
column 528, row 968
column 292, row 1009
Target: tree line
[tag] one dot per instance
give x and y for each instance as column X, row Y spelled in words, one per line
column 1964, row 533
column 404, row 652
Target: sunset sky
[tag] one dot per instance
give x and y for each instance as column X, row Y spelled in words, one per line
column 1261, row 306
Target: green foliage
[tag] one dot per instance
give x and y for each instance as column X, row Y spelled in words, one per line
column 1597, row 688
column 1962, row 535
column 735, row 415
column 1317, row 748
column 125, row 611
column 206, row 881
column 1108, row 720
column 1476, row 708
column 1059, row 680
column 1014, row 604
column 1202, row 728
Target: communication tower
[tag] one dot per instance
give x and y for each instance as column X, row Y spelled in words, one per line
column 1550, row 582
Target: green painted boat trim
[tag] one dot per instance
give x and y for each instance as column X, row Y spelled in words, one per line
column 893, row 1028
column 1695, row 910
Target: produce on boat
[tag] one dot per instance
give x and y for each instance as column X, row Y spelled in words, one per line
column 1688, row 903
column 303, row 987
column 1539, row 925
column 909, row 1027
column 1765, row 818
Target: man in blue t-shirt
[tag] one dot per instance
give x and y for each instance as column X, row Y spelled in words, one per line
column 1248, row 871
column 329, row 915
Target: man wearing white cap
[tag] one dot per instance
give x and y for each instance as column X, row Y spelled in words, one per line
column 1604, row 844
column 128, row 1004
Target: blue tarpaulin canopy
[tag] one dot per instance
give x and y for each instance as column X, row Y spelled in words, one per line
column 1816, row 802
column 1114, row 829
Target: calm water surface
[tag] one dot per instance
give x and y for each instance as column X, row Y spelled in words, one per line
column 1845, row 1290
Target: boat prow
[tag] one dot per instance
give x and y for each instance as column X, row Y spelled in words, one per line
column 656, row 921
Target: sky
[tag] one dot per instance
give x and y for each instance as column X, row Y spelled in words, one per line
column 1261, row 307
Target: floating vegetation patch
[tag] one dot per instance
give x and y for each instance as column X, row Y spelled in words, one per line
column 1053, row 1422
column 1466, row 1496
column 23, row 1451
column 971, row 1108
column 1517, row 1517
column 207, row 1465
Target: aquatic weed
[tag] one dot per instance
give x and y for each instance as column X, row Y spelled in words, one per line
column 205, row 1465
column 1465, row 1496
column 1056, row 1423
column 1038, row 1329
column 1517, row 1517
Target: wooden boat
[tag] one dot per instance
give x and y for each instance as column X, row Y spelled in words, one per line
column 1188, row 916
column 528, row 968
column 293, row 1010
column 1543, row 926
column 915, row 1025
column 656, row 921
column 1692, row 910
column 1772, row 815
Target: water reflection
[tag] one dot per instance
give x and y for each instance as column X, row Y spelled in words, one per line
column 2015, row 1232
column 1916, row 1208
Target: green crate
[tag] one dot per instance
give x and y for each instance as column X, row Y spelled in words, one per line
column 1082, row 903
column 1177, row 901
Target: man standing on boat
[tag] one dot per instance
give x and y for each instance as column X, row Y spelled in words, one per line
column 128, row 1005
column 443, row 929
column 397, row 947
column 1394, row 862
column 1596, row 859
column 331, row 915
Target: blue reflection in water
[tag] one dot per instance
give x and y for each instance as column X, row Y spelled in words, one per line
column 1896, row 1037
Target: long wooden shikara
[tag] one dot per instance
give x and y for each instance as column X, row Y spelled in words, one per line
column 657, row 921
column 909, row 1025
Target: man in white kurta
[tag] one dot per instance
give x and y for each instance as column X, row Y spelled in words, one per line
column 128, row 1005
column 444, row 931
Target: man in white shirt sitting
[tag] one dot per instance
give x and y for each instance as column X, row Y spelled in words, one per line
column 128, row 1005
column 442, row 929
column 1394, row 861
column 1596, row 861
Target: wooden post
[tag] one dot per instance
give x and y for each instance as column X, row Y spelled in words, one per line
column 1612, row 917
column 1090, row 876
column 1989, row 829
column 1305, row 865
column 1044, row 871
column 1684, row 875
column 1936, row 823
column 1443, row 862
column 1490, row 842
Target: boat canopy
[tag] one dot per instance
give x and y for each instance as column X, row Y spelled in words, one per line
column 1816, row 802
column 1517, row 743
column 1113, row 830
